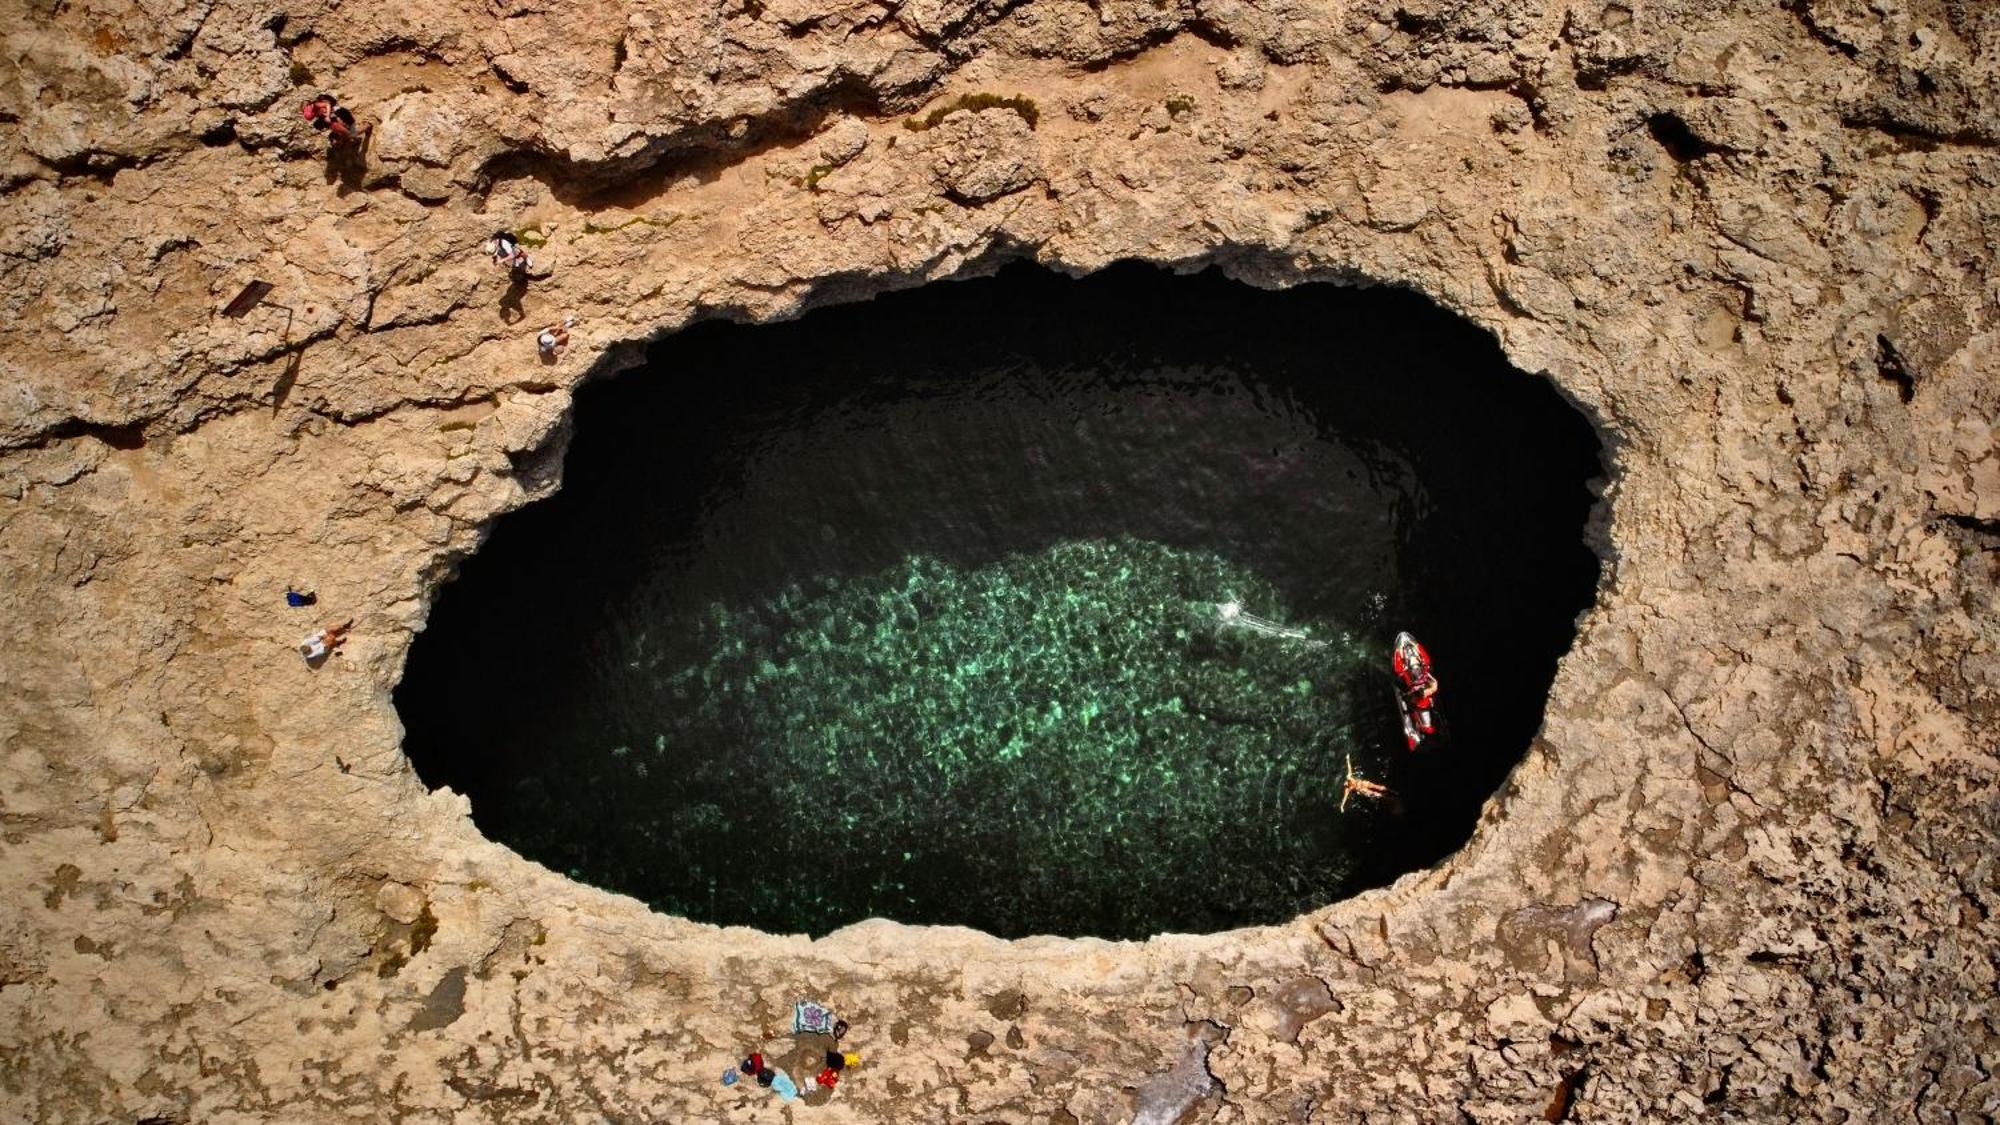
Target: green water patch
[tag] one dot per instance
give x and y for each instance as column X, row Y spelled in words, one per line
column 1064, row 737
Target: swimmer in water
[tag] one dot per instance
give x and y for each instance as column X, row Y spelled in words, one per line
column 1357, row 785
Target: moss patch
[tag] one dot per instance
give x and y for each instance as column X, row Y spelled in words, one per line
column 1024, row 106
column 592, row 226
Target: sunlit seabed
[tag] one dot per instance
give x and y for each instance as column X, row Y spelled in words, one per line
column 1072, row 734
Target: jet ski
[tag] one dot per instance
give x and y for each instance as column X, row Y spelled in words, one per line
column 1416, row 689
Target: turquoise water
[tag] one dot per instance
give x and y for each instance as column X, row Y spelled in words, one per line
column 860, row 736
column 910, row 609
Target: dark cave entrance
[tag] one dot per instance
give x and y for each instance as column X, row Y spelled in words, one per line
column 910, row 608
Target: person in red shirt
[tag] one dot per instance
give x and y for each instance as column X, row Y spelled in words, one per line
column 325, row 112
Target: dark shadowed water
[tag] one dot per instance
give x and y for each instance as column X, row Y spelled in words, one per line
column 910, row 608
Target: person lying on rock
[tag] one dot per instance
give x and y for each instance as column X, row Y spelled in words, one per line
column 554, row 340
column 298, row 599
column 321, row 642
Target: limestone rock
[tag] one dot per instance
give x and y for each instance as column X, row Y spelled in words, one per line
column 979, row 157
column 1745, row 871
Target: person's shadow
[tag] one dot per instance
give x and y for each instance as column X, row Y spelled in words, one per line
column 511, row 311
column 347, row 163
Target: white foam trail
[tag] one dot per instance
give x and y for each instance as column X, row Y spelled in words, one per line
column 1230, row 615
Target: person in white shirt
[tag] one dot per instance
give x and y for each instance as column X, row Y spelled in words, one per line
column 320, row 644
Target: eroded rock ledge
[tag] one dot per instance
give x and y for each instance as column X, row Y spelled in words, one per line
column 1746, row 871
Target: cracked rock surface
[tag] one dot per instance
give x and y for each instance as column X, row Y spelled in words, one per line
column 1746, row 871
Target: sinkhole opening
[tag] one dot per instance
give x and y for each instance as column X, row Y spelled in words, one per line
column 1028, row 603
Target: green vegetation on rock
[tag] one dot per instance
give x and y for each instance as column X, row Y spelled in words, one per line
column 1021, row 105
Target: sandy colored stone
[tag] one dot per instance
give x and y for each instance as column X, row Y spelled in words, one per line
column 399, row 903
column 1754, row 243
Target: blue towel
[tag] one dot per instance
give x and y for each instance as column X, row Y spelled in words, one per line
column 783, row 1084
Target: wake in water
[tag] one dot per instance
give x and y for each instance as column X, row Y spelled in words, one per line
column 1230, row 615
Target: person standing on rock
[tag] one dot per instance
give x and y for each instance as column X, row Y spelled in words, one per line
column 507, row 251
column 326, row 113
